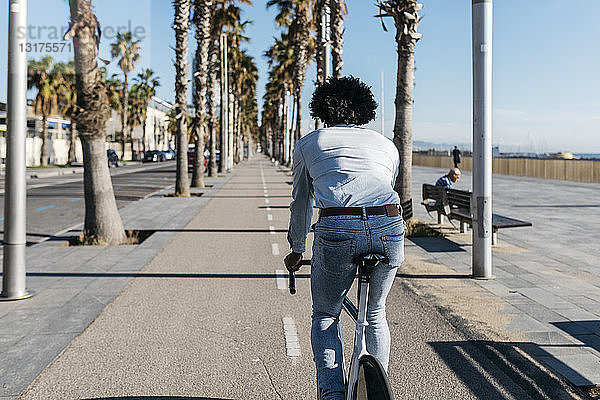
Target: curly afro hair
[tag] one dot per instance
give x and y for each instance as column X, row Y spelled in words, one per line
column 344, row 100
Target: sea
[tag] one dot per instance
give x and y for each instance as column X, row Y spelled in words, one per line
column 589, row 156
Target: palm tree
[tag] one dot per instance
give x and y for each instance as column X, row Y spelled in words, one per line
column 68, row 102
column 127, row 51
column 146, row 84
column 317, row 24
column 202, row 20
column 338, row 12
column 102, row 223
column 406, row 20
column 280, row 58
column 226, row 14
column 114, row 92
column 181, row 25
column 47, row 81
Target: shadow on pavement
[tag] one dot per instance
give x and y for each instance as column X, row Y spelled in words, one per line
column 156, row 275
column 587, row 332
column 500, row 370
column 558, row 206
column 425, row 276
column 156, row 398
column 223, row 230
column 437, row 244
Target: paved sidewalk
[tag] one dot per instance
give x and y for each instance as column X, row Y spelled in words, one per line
column 209, row 316
column 546, row 292
column 74, row 284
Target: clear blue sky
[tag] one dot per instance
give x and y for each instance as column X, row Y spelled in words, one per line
column 546, row 64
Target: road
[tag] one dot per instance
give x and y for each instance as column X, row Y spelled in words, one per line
column 55, row 204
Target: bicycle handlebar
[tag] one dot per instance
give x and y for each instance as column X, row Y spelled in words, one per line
column 292, row 285
column 292, row 277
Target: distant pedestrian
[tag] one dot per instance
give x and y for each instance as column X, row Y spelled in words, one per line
column 456, row 156
column 447, row 180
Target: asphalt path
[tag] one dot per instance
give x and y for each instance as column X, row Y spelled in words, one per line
column 211, row 318
column 56, row 204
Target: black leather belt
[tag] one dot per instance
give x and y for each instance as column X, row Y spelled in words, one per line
column 391, row 210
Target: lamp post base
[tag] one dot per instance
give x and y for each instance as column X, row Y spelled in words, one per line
column 15, row 297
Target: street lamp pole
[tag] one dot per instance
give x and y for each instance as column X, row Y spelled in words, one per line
column 482, row 139
column 15, row 192
column 224, row 105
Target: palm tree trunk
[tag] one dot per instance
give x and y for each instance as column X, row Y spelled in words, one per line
column 285, row 130
column 337, row 37
column 124, row 118
column 73, row 142
column 181, row 27
column 44, row 150
column 102, row 220
column 298, row 99
column 230, row 126
column 144, row 125
column 403, row 122
column 212, row 106
column 320, row 54
column 202, row 20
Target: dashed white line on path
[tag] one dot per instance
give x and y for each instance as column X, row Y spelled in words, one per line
column 275, row 249
column 280, row 280
column 272, row 229
column 267, row 201
column 291, row 337
column 270, row 217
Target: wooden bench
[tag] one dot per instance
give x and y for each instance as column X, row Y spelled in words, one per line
column 434, row 199
column 456, row 205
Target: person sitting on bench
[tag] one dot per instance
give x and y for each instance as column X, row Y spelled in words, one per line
column 447, row 180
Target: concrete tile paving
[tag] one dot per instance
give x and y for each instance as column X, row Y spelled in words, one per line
column 554, row 282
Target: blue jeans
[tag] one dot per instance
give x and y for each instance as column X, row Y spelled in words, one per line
column 337, row 241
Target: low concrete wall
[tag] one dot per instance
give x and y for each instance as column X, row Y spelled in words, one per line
column 570, row 170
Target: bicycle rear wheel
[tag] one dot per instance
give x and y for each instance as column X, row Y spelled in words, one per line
column 373, row 383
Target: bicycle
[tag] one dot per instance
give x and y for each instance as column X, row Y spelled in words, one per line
column 366, row 379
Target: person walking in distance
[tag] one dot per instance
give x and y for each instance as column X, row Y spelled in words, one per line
column 456, row 156
column 349, row 172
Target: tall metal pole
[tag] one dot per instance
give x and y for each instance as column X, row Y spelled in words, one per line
column 482, row 139
column 15, row 193
column 224, row 105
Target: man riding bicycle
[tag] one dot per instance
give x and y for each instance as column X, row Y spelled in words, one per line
column 349, row 172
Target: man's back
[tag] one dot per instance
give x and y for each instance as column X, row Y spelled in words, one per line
column 350, row 166
column 444, row 181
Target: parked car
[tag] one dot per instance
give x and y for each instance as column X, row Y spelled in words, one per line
column 191, row 156
column 113, row 158
column 170, row 154
column 154, row 156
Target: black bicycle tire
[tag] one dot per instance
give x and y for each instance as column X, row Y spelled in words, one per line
column 373, row 382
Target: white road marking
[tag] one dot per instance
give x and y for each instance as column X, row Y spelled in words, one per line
column 280, row 280
column 272, row 229
column 292, row 345
column 267, row 201
column 275, row 249
column 270, row 217
column 268, row 208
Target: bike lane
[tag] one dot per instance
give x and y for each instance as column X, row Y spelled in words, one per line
column 210, row 318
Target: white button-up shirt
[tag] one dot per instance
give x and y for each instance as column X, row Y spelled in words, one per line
column 342, row 166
